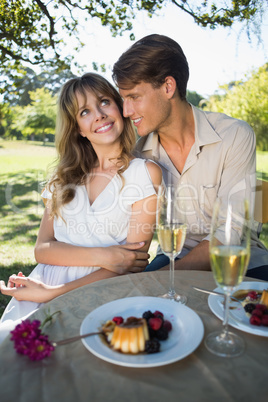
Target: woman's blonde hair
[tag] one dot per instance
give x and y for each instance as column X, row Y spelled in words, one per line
column 76, row 156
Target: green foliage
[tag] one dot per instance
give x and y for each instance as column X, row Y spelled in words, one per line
column 246, row 100
column 37, row 118
column 31, row 31
column 194, row 98
column 19, row 86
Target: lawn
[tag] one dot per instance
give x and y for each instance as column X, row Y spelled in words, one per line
column 24, row 166
column 23, row 169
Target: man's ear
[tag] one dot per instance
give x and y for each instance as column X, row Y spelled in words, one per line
column 170, row 86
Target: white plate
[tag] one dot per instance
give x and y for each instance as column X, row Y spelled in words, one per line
column 186, row 334
column 237, row 317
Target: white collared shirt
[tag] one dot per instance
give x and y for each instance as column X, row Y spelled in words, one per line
column 221, row 163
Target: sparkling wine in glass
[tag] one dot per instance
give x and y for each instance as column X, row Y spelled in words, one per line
column 171, row 231
column 229, row 252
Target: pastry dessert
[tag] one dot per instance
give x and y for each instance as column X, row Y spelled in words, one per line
column 264, row 298
column 130, row 336
column 137, row 335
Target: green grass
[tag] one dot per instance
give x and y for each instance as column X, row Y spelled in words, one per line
column 23, row 169
column 262, row 165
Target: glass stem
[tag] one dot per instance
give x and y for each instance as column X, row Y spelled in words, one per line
column 226, row 312
column 171, row 277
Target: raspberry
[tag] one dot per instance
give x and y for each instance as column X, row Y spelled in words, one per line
column 261, row 307
column 155, row 323
column 264, row 320
column 253, row 295
column 255, row 320
column 162, row 334
column 167, row 324
column 257, row 312
column 152, row 346
column 147, row 315
column 158, row 314
column 118, row 320
column 249, row 307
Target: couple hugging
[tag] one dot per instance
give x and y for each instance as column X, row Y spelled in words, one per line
column 101, row 199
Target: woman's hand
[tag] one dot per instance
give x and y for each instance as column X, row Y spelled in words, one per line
column 25, row 288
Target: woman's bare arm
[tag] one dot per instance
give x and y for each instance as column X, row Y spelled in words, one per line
column 120, row 259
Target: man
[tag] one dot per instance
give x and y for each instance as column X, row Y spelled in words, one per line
column 207, row 155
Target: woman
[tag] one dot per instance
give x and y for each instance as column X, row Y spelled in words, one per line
column 100, row 202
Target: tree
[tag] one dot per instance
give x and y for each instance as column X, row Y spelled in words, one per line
column 194, row 98
column 20, row 86
column 37, row 118
column 246, row 100
column 31, row 31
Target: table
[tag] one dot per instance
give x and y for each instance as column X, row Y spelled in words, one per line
column 73, row 374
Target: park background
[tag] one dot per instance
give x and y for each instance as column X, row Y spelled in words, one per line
column 228, row 73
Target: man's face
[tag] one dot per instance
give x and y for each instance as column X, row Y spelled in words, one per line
column 148, row 107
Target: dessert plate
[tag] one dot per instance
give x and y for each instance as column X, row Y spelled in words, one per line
column 237, row 316
column 186, row 334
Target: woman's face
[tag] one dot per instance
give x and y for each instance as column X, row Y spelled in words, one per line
column 99, row 119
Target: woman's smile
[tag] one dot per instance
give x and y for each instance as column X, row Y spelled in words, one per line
column 104, row 128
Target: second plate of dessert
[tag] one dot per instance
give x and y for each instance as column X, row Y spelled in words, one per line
column 186, row 334
column 237, row 316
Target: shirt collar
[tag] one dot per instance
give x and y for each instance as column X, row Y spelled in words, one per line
column 204, row 134
column 152, row 144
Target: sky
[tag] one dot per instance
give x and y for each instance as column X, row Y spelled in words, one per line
column 215, row 57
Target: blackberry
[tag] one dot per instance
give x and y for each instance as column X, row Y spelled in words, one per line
column 152, row 333
column 147, row 315
column 249, row 307
column 152, row 346
column 162, row 334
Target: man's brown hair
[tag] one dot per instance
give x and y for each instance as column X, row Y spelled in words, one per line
column 151, row 60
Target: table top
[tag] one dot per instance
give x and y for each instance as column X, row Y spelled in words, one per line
column 72, row 373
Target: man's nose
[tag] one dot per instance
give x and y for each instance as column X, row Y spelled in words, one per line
column 127, row 108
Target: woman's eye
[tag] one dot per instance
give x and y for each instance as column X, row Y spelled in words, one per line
column 84, row 112
column 105, row 102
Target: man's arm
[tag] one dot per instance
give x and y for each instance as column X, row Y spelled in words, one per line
column 197, row 259
column 119, row 259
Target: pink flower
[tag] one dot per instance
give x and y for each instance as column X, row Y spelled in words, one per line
column 29, row 340
column 26, row 330
column 40, row 348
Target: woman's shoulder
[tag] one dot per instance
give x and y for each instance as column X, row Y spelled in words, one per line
column 149, row 166
column 142, row 161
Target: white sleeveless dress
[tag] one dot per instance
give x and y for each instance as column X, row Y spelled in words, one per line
column 100, row 224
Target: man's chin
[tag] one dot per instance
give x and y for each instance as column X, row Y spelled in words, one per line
column 142, row 133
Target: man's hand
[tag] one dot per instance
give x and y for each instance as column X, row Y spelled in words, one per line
column 125, row 259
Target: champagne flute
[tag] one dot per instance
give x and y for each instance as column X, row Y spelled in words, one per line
column 171, row 231
column 229, row 252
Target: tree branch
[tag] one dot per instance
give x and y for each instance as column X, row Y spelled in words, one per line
column 15, row 56
column 52, row 31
